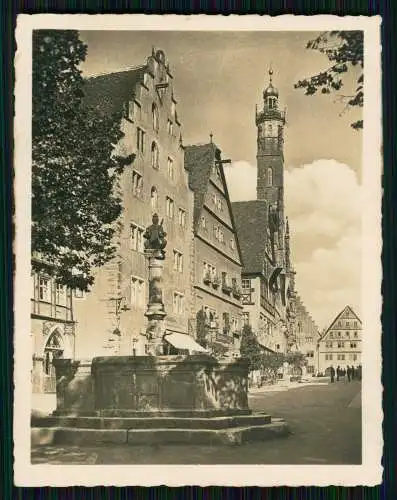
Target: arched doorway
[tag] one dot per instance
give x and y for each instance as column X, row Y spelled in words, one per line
column 54, row 349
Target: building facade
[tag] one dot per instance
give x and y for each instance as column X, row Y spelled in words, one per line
column 307, row 335
column 216, row 263
column 110, row 319
column 52, row 326
column 341, row 344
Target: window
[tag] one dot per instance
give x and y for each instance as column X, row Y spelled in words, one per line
column 246, row 285
column 60, row 295
column 44, row 289
column 169, row 207
column 355, row 335
column 331, row 335
column 155, row 117
column 178, row 261
column 137, row 292
column 133, row 111
column 203, row 222
column 235, row 324
column 181, row 217
column 178, row 303
column 353, row 345
column 354, row 357
column 269, row 177
column 170, row 127
column 341, row 345
column 137, row 184
column 339, row 334
column 140, row 140
column 339, row 323
column 155, row 156
column 232, row 244
column 154, row 199
column 171, row 168
column 347, row 334
column 136, row 238
column 328, row 344
column 246, row 318
column 216, row 230
column 355, row 324
column 226, row 322
column 347, row 324
column 137, row 111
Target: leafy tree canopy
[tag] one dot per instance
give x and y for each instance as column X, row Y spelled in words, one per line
column 344, row 50
column 250, row 349
column 74, row 172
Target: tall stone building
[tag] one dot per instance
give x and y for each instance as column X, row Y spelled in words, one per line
column 52, row 330
column 111, row 316
column 216, row 264
column 341, row 345
column 268, row 276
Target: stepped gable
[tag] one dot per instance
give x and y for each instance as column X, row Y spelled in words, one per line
column 108, row 93
column 251, row 219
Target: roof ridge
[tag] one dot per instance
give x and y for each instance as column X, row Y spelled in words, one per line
column 124, row 70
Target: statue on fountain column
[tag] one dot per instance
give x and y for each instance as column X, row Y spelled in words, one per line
column 155, row 237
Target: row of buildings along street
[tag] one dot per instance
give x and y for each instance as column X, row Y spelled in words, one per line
column 228, row 263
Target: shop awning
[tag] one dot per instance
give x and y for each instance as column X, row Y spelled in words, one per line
column 184, row 341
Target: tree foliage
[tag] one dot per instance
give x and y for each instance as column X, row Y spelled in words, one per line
column 250, row 348
column 201, row 329
column 74, row 172
column 344, row 49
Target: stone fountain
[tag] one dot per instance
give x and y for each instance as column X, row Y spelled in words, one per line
column 156, row 398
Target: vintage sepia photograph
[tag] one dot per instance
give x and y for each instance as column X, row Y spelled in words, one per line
column 198, row 249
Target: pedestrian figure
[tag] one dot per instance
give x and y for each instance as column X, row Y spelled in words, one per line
column 349, row 373
column 338, row 372
column 332, row 371
column 353, row 373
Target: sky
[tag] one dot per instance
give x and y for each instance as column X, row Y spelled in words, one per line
column 219, row 77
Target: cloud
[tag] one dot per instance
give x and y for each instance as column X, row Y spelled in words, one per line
column 324, row 206
column 241, row 181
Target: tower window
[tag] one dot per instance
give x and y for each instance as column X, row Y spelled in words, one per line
column 155, row 155
column 269, row 177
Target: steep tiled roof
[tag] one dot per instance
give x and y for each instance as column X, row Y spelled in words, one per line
column 350, row 314
column 198, row 162
column 108, row 93
column 199, row 159
column 251, row 222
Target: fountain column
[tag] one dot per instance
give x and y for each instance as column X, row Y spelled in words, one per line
column 155, row 311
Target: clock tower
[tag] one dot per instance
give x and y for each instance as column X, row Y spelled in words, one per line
column 270, row 121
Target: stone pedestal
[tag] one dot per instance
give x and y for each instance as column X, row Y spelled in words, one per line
column 162, row 385
column 155, row 311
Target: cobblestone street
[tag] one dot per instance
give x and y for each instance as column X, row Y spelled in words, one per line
column 325, row 421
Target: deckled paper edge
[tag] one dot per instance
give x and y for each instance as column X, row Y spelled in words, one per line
column 370, row 472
